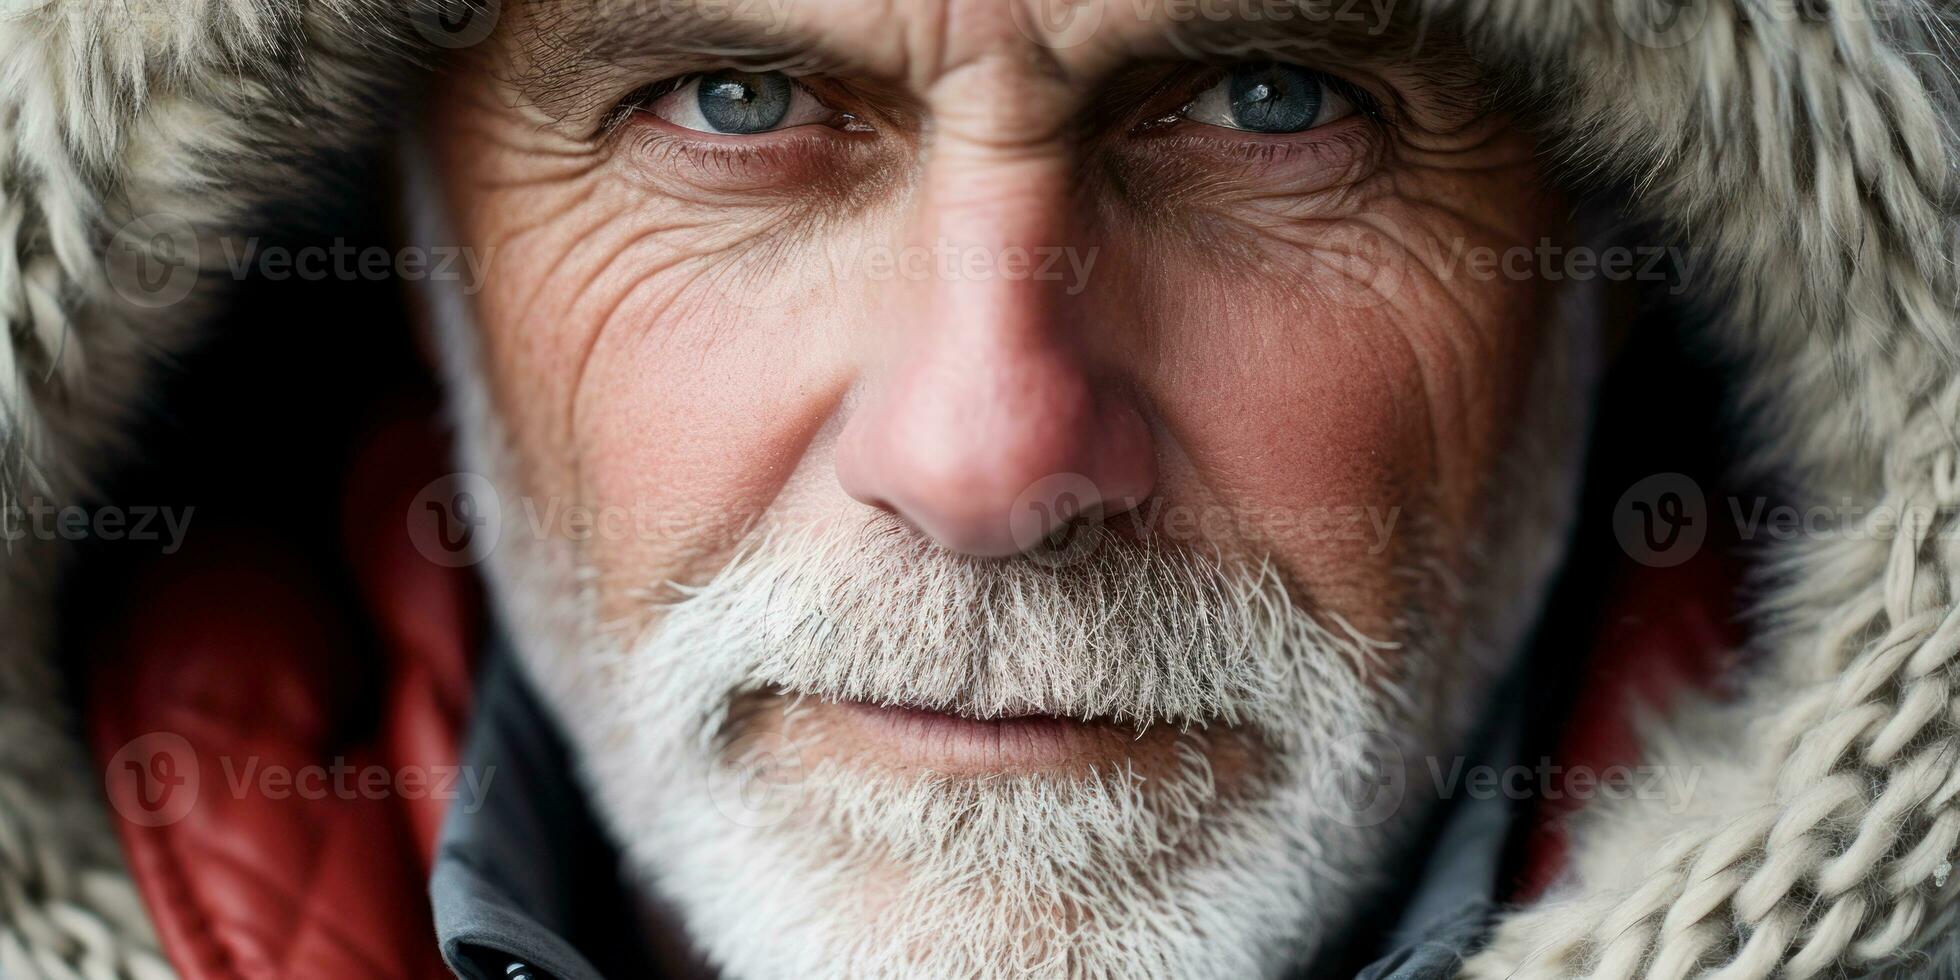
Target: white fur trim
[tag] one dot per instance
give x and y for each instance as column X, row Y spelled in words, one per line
column 1811, row 157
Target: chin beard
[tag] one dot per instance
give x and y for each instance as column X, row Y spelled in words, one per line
column 781, row 862
column 778, row 868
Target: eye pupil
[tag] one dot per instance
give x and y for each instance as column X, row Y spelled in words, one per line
column 741, row 102
column 1274, row 98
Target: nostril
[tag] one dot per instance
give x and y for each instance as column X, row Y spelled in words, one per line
column 1049, row 506
column 974, row 497
column 996, row 458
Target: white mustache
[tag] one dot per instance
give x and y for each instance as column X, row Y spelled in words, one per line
column 1126, row 631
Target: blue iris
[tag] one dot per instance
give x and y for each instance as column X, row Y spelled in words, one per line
column 1269, row 97
column 740, row 102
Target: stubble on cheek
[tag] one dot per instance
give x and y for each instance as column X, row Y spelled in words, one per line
column 620, row 263
column 1348, row 378
column 609, row 287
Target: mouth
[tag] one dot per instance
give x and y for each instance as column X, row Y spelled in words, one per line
column 954, row 743
column 908, row 738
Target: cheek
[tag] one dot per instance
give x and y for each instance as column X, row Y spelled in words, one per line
column 1350, row 430
column 661, row 375
column 1307, row 446
column 699, row 438
column 678, row 366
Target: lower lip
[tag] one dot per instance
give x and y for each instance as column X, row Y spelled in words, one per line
column 956, row 744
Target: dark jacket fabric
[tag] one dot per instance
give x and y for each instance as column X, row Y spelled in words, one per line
column 527, row 885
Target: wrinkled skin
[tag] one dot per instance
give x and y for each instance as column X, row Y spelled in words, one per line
column 1269, row 328
column 1255, row 343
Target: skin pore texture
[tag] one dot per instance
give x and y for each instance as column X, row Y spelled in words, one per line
column 948, row 613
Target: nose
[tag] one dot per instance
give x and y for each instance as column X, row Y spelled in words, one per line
column 987, row 424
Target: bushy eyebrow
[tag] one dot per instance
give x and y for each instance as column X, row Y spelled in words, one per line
column 569, row 51
column 564, row 35
column 1409, row 41
column 1425, row 61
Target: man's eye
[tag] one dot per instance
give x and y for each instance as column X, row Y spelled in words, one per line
column 738, row 103
column 1269, row 97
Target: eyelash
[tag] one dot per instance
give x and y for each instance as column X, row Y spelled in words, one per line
column 739, row 157
column 1337, row 145
column 658, row 151
column 639, row 99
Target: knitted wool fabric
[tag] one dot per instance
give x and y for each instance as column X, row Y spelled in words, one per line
column 1803, row 151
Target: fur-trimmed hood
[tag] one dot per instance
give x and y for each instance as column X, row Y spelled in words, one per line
column 1805, row 149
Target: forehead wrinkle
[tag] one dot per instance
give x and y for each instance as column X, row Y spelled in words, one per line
column 1406, row 44
column 923, row 40
column 568, row 53
column 557, row 37
column 1402, row 37
column 972, row 31
column 569, row 59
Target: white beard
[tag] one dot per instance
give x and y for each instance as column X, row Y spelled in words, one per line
column 779, row 869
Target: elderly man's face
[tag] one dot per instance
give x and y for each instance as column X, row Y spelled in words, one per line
column 1073, row 447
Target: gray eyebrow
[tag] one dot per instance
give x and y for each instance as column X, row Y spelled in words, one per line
column 573, row 54
column 571, row 51
column 618, row 29
column 1318, row 27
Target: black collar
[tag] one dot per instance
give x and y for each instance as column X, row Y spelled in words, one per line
column 528, row 884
